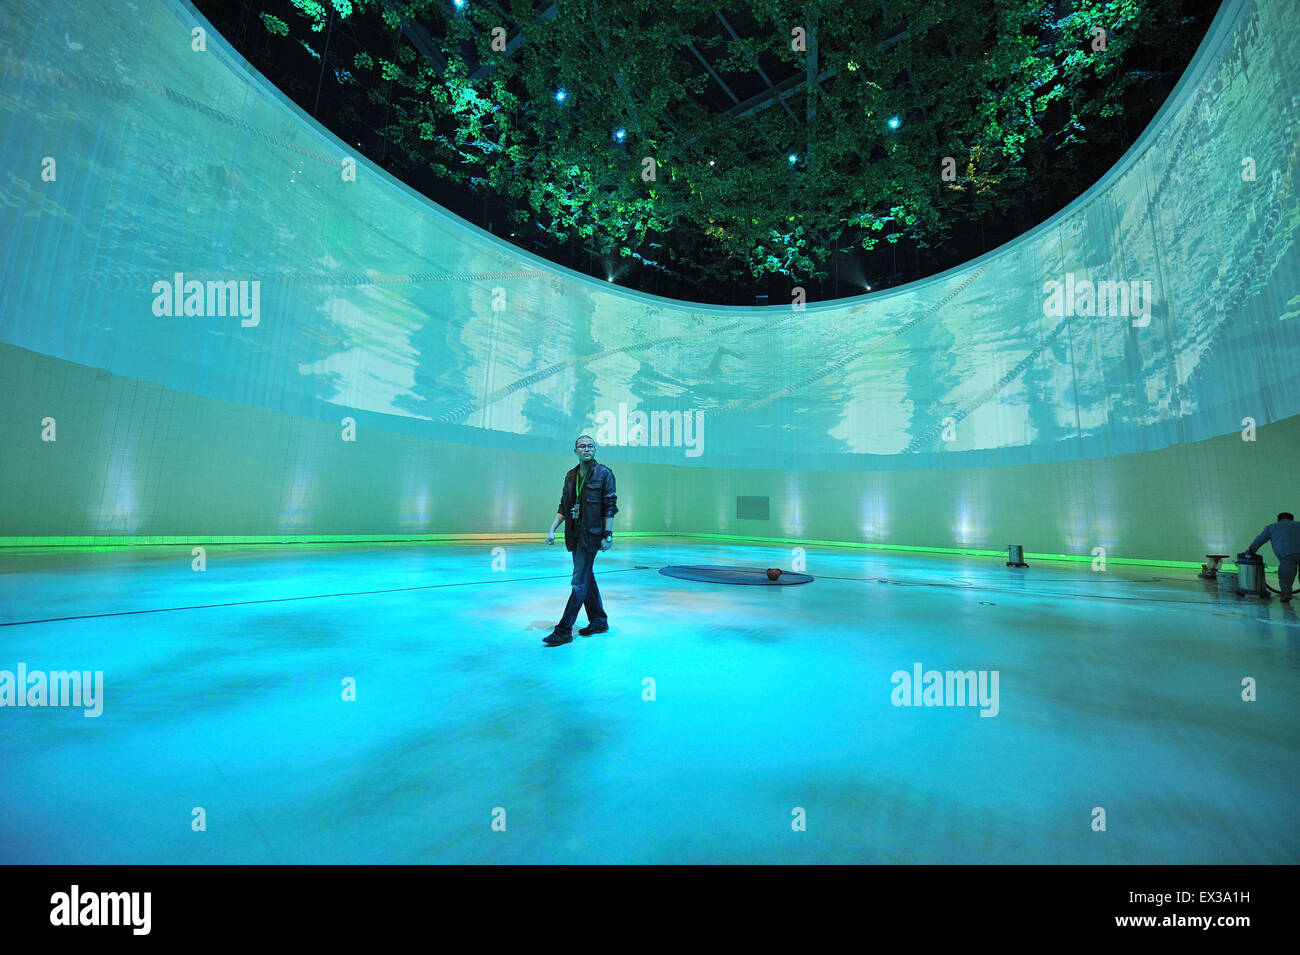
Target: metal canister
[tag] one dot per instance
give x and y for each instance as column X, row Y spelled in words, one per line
column 1250, row 575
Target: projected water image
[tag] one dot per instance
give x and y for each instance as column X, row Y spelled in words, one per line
column 208, row 237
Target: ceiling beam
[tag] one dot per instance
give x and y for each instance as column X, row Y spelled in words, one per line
column 784, row 89
column 752, row 59
column 515, row 42
column 910, row 78
column 725, row 88
column 810, row 82
column 618, row 74
column 708, row 66
column 779, row 93
column 420, row 38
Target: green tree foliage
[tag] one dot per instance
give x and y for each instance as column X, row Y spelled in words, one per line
column 1001, row 88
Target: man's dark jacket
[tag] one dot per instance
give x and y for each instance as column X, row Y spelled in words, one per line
column 599, row 501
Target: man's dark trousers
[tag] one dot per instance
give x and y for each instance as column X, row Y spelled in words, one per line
column 1286, row 571
column 585, row 592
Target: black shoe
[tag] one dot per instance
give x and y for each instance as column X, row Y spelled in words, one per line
column 589, row 629
column 1286, row 599
column 558, row 637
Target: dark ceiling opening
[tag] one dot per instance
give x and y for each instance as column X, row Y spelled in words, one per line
column 731, row 155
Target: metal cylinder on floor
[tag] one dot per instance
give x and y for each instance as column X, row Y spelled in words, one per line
column 1250, row 576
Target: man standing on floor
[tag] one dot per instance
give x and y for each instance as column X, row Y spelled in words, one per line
column 588, row 504
column 1284, row 535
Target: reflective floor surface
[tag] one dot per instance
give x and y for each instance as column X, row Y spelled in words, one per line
column 713, row 723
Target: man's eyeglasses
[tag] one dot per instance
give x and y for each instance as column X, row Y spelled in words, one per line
column 585, row 447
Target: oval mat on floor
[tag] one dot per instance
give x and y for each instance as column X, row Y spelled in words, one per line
column 733, row 575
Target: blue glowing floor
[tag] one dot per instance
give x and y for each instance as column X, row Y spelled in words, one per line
column 222, row 690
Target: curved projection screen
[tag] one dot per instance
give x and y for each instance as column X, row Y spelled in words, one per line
column 170, row 217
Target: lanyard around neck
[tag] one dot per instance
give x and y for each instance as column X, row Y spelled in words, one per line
column 581, row 480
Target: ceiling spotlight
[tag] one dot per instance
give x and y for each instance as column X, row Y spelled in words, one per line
column 459, row 4
column 619, row 134
column 712, row 163
column 794, row 158
column 894, row 122
column 559, row 96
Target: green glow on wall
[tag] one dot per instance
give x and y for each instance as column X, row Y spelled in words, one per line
column 95, row 544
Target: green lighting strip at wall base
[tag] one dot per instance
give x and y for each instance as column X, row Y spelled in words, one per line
column 123, row 542
column 957, row 551
column 115, row 542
